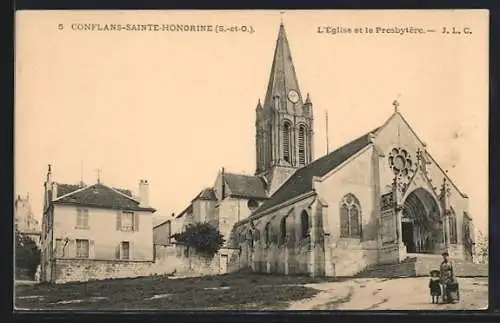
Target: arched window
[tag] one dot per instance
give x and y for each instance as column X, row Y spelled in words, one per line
column 302, row 145
column 286, row 141
column 267, row 234
column 350, row 212
column 283, row 229
column 250, row 238
column 304, row 224
column 453, row 227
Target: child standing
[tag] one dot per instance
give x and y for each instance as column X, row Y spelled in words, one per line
column 434, row 286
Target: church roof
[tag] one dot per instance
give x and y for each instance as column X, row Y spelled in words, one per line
column 282, row 78
column 301, row 181
column 245, row 186
column 97, row 195
column 206, row 194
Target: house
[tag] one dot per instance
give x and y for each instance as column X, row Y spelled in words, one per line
column 162, row 233
column 95, row 231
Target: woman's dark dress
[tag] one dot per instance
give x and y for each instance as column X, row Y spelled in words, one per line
column 449, row 281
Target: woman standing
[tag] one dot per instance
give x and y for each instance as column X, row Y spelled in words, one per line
column 448, row 279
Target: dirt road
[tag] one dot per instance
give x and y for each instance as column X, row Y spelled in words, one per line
column 391, row 294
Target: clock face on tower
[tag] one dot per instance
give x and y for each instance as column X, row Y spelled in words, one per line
column 293, row 96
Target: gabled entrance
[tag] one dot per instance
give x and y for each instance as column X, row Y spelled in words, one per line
column 422, row 230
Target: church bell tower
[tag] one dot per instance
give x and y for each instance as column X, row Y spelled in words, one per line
column 284, row 123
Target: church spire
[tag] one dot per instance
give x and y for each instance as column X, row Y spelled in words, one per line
column 282, row 78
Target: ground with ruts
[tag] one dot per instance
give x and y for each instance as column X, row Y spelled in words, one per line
column 248, row 291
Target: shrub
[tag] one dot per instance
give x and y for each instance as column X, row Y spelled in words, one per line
column 204, row 238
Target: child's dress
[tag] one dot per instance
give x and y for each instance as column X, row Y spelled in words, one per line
column 434, row 286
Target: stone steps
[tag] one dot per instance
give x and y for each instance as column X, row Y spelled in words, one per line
column 417, row 265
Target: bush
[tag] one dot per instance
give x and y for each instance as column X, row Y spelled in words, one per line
column 205, row 239
column 27, row 255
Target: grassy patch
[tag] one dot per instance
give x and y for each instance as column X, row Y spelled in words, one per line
column 241, row 291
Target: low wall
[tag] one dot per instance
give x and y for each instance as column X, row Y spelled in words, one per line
column 169, row 259
column 181, row 260
column 69, row 270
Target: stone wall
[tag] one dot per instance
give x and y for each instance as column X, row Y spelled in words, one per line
column 180, row 260
column 169, row 259
column 68, row 270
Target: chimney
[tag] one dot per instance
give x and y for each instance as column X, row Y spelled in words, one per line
column 50, row 185
column 144, row 193
column 54, row 190
column 49, row 175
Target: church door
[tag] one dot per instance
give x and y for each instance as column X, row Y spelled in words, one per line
column 407, row 235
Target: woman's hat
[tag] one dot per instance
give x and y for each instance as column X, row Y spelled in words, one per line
column 445, row 253
column 434, row 271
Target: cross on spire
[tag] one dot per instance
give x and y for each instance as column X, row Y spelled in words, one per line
column 396, row 105
column 98, row 171
column 281, row 17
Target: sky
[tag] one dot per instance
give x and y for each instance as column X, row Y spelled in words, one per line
column 176, row 107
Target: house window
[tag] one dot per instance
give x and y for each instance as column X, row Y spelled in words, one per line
column 302, row 146
column 350, row 217
column 82, row 218
column 286, row 141
column 304, row 221
column 125, row 250
column 82, row 248
column 127, row 221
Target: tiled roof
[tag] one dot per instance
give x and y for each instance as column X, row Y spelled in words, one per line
column 98, row 195
column 63, row 189
column 124, row 191
column 301, row 181
column 246, row 186
column 207, row 194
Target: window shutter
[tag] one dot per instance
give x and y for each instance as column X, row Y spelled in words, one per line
column 118, row 220
column 91, row 249
column 136, row 221
column 117, row 251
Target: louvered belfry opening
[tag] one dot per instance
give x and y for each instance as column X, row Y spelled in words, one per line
column 286, row 142
column 302, row 146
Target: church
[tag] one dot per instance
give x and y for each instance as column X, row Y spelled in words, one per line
column 375, row 200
